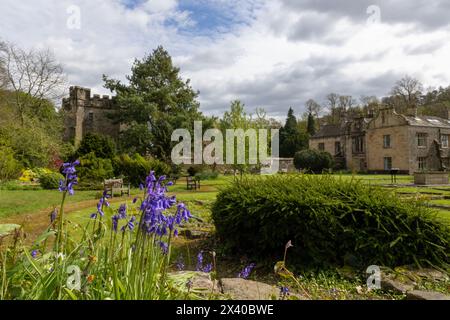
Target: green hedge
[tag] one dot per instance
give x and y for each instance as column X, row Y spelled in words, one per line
column 330, row 221
column 50, row 181
column 313, row 160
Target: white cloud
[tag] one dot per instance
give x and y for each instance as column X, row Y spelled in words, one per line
column 276, row 54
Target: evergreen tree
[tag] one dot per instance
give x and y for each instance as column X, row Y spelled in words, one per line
column 155, row 102
column 291, row 138
column 311, row 125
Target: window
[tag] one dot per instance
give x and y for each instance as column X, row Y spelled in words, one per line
column 358, row 144
column 387, row 141
column 444, row 141
column 91, row 116
column 387, row 163
column 337, row 147
column 421, row 139
column 422, row 163
column 321, row 146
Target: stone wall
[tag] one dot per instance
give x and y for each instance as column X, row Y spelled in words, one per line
column 84, row 114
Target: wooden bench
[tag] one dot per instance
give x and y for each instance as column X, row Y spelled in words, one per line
column 116, row 185
column 192, row 183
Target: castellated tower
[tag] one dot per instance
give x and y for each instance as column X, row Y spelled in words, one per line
column 83, row 114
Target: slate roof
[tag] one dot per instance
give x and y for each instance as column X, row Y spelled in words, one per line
column 329, row 130
column 427, row 121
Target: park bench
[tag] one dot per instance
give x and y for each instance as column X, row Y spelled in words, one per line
column 192, row 183
column 116, row 185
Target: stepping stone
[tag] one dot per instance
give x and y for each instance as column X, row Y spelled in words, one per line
column 241, row 289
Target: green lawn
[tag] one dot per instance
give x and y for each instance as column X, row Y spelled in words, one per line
column 16, row 202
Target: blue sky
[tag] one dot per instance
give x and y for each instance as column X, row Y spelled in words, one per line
column 271, row 54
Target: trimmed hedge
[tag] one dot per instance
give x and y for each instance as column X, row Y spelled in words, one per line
column 314, row 160
column 330, row 221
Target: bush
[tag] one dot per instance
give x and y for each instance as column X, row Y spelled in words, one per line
column 192, row 171
column 207, row 175
column 102, row 146
column 94, row 170
column 50, row 181
column 329, row 221
column 136, row 167
column 9, row 166
column 313, row 160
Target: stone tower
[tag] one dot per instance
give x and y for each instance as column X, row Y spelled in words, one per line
column 84, row 114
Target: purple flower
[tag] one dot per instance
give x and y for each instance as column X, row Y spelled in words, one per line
column 115, row 222
column 34, row 253
column 68, row 169
column 130, row 225
column 284, row 292
column 53, row 215
column 245, row 273
column 199, row 261
column 208, row 268
column 164, row 247
column 180, row 263
column 123, row 211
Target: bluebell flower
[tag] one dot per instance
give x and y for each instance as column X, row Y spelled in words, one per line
column 245, row 273
column 284, row 292
column 208, row 268
column 199, row 261
column 68, row 169
column 180, row 263
column 164, row 247
column 122, row 211
column 34, row 253
column 53, row 215
column 115, row 222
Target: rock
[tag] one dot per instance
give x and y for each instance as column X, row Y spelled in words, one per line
column 241, row 289
column 431, row 274
column 200, row 281
column 396, row 286
column 426, row 295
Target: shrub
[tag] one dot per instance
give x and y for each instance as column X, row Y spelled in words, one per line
column 329, row 221
column 192, row 171
column 50, row 181
column 314, row 160
column 207, row 175
column 9, row 166
column 93, row 169
column 101, row 146
column 136, row 167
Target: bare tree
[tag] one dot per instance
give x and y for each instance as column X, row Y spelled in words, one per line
column 408, row 90
column 312, row 107
column 332, row 101
column 32, row 76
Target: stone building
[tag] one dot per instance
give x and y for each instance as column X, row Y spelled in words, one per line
column 387, row 140
column 83, row 114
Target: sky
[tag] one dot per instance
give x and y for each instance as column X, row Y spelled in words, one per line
column 271, row 54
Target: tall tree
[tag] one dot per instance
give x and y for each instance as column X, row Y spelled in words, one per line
column 406, row 93
column 291, row 138
column 33, row 76
column 155, row 102
column 311, row 129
